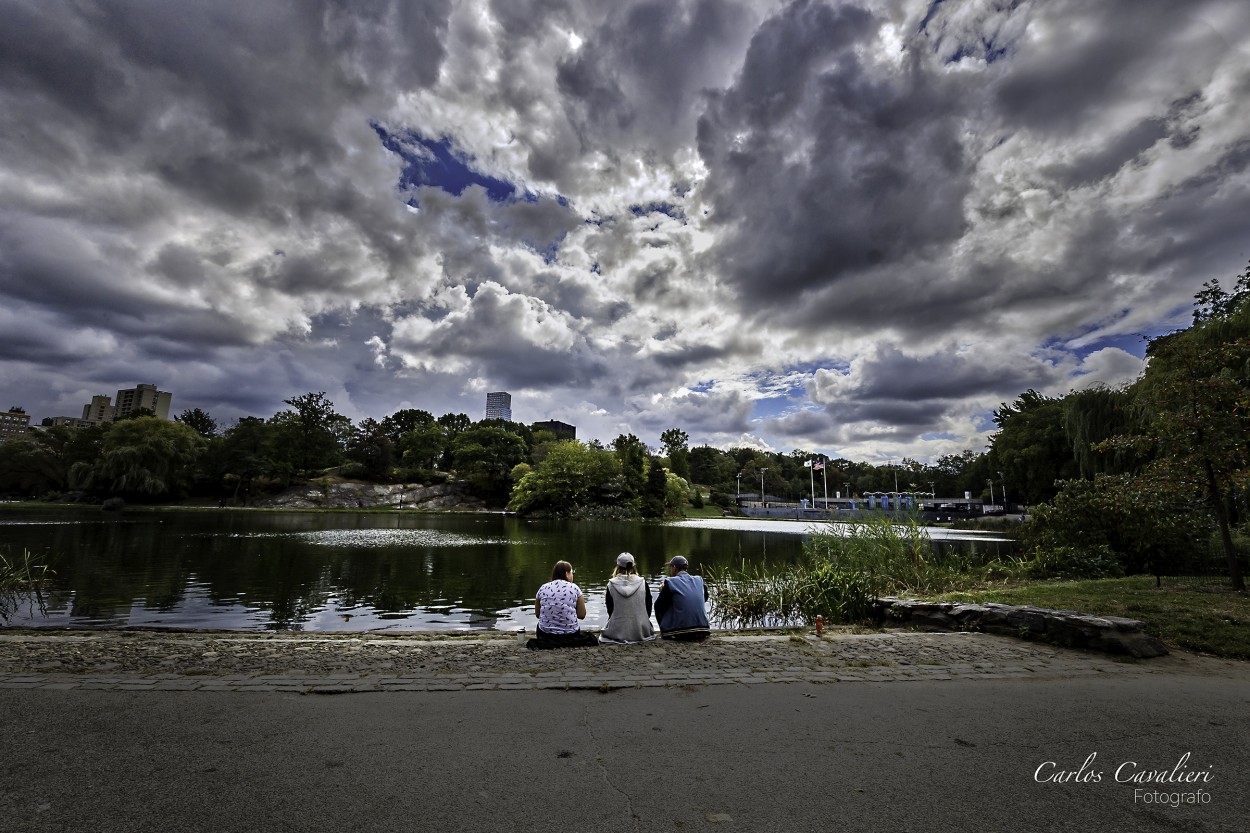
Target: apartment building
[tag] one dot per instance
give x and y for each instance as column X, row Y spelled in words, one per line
column 14, row 424
column 102, row 409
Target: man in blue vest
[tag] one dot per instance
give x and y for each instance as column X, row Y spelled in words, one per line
column 680, row 608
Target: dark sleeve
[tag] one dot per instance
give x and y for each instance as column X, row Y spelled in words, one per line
column 647, row 587
column 705, row 591
column 662, row 602
column 607, row 595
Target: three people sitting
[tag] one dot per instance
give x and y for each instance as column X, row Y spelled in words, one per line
column 680, row 607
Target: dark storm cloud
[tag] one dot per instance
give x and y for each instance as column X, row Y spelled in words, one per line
column 669, row 214
column 822, row 164
column 1110, row 158
column 1096, row 53
column 638, row 76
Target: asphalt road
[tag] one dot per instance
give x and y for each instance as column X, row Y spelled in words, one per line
column 959, row 755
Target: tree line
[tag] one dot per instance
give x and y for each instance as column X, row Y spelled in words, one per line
column 1137, row 474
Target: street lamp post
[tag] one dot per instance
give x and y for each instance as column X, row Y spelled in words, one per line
column 762, row 486
column 739, row 484
column 990, row 481
column 1002, row 482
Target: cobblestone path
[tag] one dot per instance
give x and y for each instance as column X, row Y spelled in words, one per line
column 331, row 663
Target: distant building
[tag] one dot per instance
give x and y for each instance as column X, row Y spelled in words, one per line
column 64, row 422
column 14, row 425
column 102, row 409
column 99, row 411
column 499, row 406
column 143, row 396
column 562, row 430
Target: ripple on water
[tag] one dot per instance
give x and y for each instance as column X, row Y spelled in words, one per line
column 383, row 538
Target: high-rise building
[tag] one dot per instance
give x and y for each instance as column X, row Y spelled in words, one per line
column 103, row 410
column 14, row 425
column 499, row 405
column 99, row 411
column 143, row 396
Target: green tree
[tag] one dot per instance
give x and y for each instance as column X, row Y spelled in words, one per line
column 632, row 454
column 248, row 453
column 1196, row 393
column 568, row 479
column 485, row 456
column 677, row 448
column 372, row 450
column 1093, row 416
column 453, row 425
column 655, row 496
column 27, row 469
column 144, row 457
column 200, row 421
column 423, row 446
column 1146, row 529
column 315, row 431
column 712, row 467
column 403, row 421
column 1030, row 449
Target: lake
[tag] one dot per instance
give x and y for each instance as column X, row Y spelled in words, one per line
column 246, row 570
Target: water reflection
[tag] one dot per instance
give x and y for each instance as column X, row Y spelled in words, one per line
column 243, row 570
column 254, row 571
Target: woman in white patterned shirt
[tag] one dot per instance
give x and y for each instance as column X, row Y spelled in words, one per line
column 559, row 604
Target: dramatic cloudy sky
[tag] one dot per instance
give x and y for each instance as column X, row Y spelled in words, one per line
column 851, row 227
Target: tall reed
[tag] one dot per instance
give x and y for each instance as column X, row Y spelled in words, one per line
column 845, row 568
column 21, row 579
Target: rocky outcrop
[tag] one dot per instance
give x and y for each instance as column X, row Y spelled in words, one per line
column 348, row 494
column 1113, row 634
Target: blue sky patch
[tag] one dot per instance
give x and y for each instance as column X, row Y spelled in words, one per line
column 438, row 163
column 666, row 208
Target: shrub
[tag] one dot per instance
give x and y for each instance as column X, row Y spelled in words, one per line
column 1094, row 561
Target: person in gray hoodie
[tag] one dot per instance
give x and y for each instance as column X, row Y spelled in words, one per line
column 629, row 605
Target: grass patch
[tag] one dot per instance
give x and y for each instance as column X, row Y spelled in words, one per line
column 1207, row 618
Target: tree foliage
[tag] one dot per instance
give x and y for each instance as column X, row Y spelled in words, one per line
column 144, row 457
column 570, row 478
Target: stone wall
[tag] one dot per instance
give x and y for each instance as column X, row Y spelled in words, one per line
column 323, row 494
column 1112, row 634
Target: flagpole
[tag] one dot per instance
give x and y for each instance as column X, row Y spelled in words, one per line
column 824, row 478
column 811, row 471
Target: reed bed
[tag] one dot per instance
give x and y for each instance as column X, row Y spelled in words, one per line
column 846, row 567
column 21, row 579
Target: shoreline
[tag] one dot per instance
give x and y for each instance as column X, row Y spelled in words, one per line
column 133, row 660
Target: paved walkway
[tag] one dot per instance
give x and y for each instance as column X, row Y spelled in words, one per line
column 335, row 664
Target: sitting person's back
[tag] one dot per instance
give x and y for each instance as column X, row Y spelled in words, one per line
column 680, row 608
column 628, row 599
column 559, row 604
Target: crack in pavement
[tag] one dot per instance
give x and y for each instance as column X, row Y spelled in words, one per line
column 603, row 770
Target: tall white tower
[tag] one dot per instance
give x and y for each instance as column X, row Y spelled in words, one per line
column 499, row 405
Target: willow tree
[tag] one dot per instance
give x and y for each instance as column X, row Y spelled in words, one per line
column 147, row 456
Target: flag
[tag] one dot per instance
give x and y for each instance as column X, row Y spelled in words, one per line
column 819, row 466
column 807, row 464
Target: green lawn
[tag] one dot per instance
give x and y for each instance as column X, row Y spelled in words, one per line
column 1185, row 613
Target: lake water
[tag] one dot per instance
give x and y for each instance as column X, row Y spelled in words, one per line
column 256, row 571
